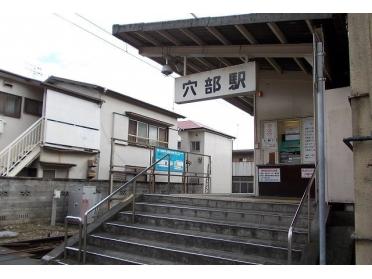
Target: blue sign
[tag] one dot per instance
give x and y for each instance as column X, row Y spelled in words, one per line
column 177, row 160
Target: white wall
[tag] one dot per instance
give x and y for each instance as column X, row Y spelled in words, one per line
column 339, row 158
column 220, row 148
column 243, row 168
column 15, row 126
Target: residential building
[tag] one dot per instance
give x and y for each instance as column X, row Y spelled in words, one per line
column 197, row 138
column 63, row 128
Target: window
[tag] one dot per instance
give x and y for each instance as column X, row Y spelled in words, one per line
column 289, row 142
column 33, row 107
column 142, row 133
column 10, row 105
column 178, row 145
column 195, row 146
column 147, row 134
column 49, row 174
column 242, row 184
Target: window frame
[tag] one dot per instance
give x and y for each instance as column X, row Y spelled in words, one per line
column 17, row 113
column 249, row 180
column 33, row 101
column 136, row 139
column 196, row 142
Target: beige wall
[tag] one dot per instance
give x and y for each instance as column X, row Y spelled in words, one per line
column 339, row 158
column 15, row 126
column 360, row 48
column 285, row 96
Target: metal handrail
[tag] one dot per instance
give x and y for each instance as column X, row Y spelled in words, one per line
column 134, row 179
column 294, row 220
column 78, row 220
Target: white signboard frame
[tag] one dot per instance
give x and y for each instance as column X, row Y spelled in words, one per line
column 269, row 175
column 308, row 141
column 220, row 83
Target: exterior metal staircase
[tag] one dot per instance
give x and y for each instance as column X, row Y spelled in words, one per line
column 22, row 151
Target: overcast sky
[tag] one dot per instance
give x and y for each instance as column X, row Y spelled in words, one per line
column 34, row 36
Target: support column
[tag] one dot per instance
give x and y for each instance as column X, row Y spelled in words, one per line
column 360, row 51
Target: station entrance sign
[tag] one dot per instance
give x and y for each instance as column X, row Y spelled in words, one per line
column 220, row 83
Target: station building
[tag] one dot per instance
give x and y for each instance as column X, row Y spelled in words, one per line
column 289, row 117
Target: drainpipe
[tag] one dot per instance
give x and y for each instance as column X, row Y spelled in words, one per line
column 320, row 151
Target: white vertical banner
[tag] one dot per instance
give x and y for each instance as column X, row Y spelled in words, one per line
column 270, row 133
column 308, row 141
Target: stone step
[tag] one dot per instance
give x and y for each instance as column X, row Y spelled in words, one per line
column 213, row 226
column 253, row 217
column 177, row 254
column 97, row 255
column 200, row 240
column 226, row 203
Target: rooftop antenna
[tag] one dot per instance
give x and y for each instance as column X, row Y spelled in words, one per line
column 193, row 15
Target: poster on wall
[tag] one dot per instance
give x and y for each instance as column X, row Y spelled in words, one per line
column 308, row 141
column 176, row 161
column 269, row 175
column 307, row 172
column 270, row 134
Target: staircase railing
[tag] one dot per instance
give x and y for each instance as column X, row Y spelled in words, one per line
column 19, row 148
column 110, row 197
column 306, row 195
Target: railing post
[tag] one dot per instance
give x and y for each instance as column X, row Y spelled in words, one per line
column 290, row 233
column 65, row 242
column 134, row 201
column 169, row 172
column 308, row 215
column 85, row 237
column 80, row 239
column 8, row 162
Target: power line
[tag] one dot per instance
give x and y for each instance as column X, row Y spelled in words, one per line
column 103, row 39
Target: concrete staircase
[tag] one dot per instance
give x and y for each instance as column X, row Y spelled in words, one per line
column 195, row 229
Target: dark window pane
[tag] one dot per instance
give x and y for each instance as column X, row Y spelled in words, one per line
column 163, row 135
column 33, row 107
column 244, row 187
column 132, row 127
column 10, row 105
column 236, row 188
column 250, row 187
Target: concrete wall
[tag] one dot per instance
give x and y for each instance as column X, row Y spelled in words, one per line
column 360, row 47
column 24, row 200
column 15, row 126
column 339, row 158
column 285, row 96
column 220, row 149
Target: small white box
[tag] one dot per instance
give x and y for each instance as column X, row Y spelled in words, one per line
column 57, row 194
